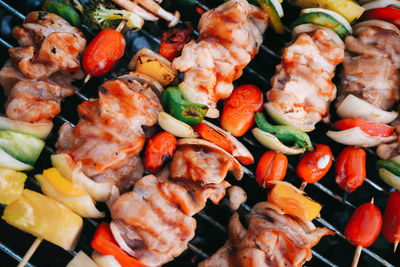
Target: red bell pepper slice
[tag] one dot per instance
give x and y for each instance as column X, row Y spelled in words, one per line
column 388, row 14
column 369, row 127
column 104, row 243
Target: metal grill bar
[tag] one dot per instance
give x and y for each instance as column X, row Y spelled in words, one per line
column 203, row 215
column 12, row 254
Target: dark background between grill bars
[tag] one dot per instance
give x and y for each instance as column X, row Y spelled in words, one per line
column 211, row 231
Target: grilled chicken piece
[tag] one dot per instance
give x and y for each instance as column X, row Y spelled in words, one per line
column 48, row 44
column 229, row 37
column 371, row 66
column 271, row 239
column 108, row 138
column 161, row 224
column 302, row 87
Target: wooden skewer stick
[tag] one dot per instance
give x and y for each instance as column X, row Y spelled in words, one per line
column 303, row 186
column 356, row 256
column 121, row 25
column 30, row 252
column 395, row 246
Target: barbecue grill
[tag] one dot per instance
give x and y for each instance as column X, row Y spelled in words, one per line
column 212, row 222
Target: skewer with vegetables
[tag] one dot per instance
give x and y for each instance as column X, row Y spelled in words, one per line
column 391, row 219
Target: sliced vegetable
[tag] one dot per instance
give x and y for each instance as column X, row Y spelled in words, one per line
column 381, row 3
column 347, row 8
column 221, row 138
column 144, row 80
column 309, row 27
column 368, row 127
column 315, row 164
column 271, row 167
column 175, row 126
column 357, row 137
column 173, row 40
column 354, row 107
column 376, row 23
column 364, row 225
column 270, row 141
column 82, row 260
column 185, row 111
column 149, row 63
column 64, row 10
column 23, row 147
column 350, row 168
column 283, row 132
column 159, row 149
column 57, row 187
column 38, row 129
column 280, row 118
column 391, row 218
column 238, row 113
column 388, row 165
column 325, row 18
column 103, row 14
column 292, row 201
column 44, row 218
column 105, row 260
column 389, row 178
column 103, row 52
column 388, row 14
column 6, row 161
column 11, row 185
column 104, row 243
column 73, row 173
column 274, row 9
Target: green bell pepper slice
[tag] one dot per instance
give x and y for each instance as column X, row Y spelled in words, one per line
column 183, row 110
column 64, row 10
column 275, row 20
column 388, row 165
column 283, row 132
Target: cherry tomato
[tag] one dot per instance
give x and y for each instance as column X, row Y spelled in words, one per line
column 173, row 41
column 271, row 167
column 391, row 218
column 388, row 14
column 350, row 168
column 238, row 114
column 369, row 127
column 364, row 225
column 315, row 164
column 103, row 52
column 159, row 148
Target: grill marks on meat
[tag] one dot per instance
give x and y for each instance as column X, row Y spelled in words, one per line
column 229, row 37
column 302, row 87
column 271, row 239
column 48, row 44
column 371, row 67
column 155, row 219
column 109, row 137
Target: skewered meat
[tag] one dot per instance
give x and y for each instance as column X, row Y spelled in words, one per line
column 229, row 37
column 109, row 137
column 371, row 66
column 161, row 224
column 302, row 87
column 271, row 239
column 48, row 44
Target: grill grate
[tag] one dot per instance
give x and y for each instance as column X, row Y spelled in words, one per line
column 207, row 217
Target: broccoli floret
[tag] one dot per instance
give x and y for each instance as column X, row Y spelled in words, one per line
column 102, row 14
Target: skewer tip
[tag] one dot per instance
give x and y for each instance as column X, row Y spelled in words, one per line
column 356, row 257
column 372, row 200
column 30, row 252
column 87, row 78
column 395, row 246
column 303, row 186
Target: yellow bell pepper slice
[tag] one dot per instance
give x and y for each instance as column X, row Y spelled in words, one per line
column 60, row 184
column 11, row 185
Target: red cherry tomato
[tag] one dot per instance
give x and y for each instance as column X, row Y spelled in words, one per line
column 103, row 52
column 271, row 167
column 159, row 148
column 369, row 127
column 391, row 218
column 238, row 114
column 350, row 168
column 315, row 164
column 364, row 225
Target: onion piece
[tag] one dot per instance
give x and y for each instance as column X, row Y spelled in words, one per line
column 175, row 126
column 270, row 141
column 7, row 161
column 353, row 107
column 143, row 80
column 356, row 137
column 389, row 178
column 381, row 3
column 105, row 260
column 309, row 27
column 278, row 7
column 38, row 129
column 375, row 23
column 339, row 18
column 281, row 118
column 80, row 260
column 121, row 242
